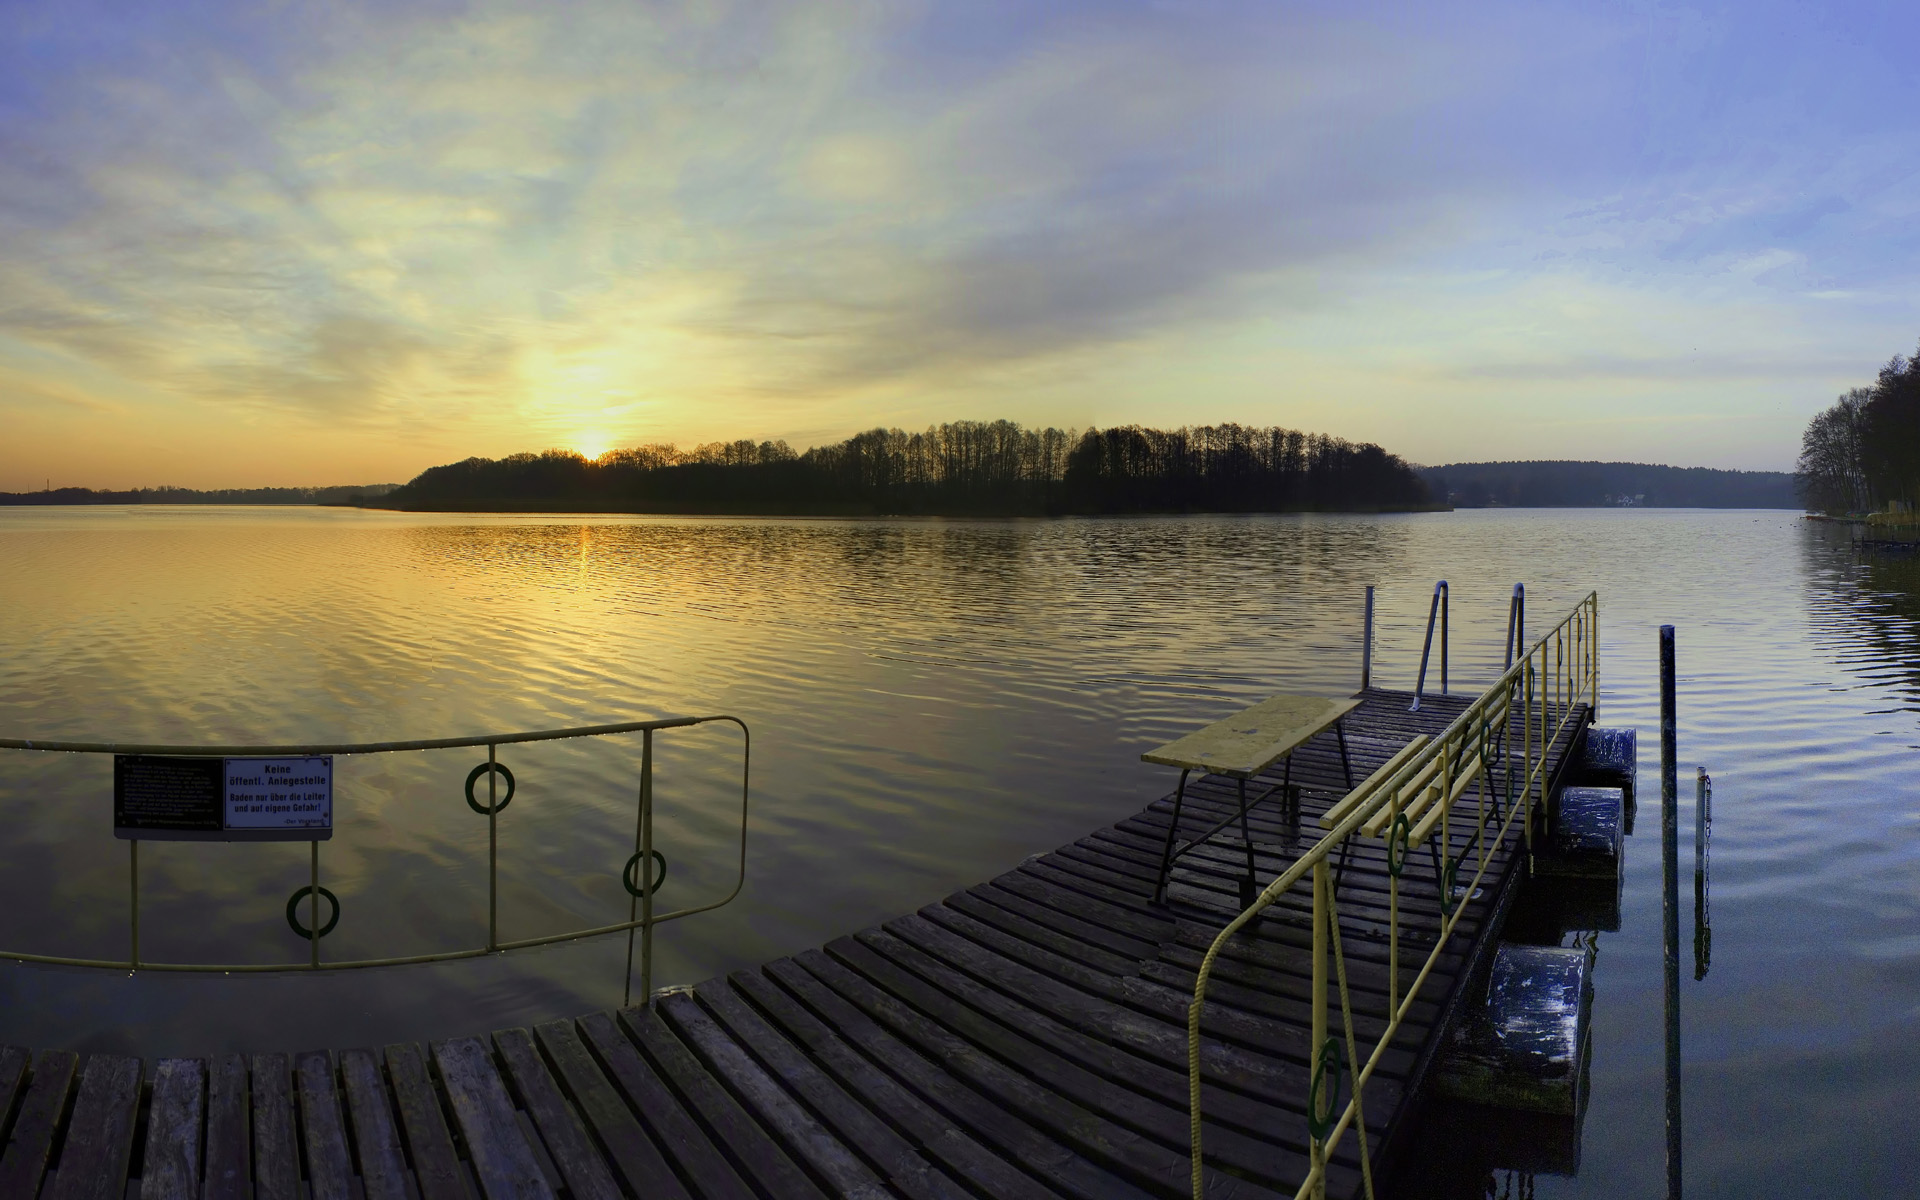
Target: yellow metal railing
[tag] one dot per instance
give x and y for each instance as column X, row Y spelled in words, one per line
column 638, row 878
column 1407, row 803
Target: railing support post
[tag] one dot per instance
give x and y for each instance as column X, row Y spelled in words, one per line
column 1317, row 1147
column 1366, row 645
column 493, row 847
column 133, row 900
column 1434, row 611
column 313, row 905
column 645, row 870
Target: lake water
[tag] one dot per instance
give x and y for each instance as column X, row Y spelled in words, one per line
column 932, row 701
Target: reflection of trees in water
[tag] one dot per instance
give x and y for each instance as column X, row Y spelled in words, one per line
column 1864, row 608
column 935, row 566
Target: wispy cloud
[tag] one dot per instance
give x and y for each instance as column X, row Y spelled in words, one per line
column 454, row 229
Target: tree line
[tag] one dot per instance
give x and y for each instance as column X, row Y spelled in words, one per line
column 1566, row 484
column 342, row 494
column 1863, row 453
column 959, row 468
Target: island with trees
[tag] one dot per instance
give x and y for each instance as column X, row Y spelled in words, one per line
column 962, row 468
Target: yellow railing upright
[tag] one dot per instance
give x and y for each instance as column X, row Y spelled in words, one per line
column 1407, row 802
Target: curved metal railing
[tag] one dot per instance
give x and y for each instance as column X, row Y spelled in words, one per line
column 1409, row 803
column 638, row 878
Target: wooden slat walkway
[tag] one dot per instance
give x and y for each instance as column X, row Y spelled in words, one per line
column 1022, row 1038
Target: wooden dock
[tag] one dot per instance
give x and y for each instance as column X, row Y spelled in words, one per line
column 1023, row 1038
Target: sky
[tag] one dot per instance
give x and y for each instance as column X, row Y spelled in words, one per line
column 252, row 244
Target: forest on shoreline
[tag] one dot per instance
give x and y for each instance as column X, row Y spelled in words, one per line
column 1862, row 454
column 1567, row 484
column 344, row 494
column 962, row 468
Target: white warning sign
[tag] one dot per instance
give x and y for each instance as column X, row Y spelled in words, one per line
column 280, row 793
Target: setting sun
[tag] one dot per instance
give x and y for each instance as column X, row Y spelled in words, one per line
column 593, row 445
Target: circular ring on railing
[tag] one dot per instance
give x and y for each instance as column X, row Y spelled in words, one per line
column 629, row 881
column 473, row 777
column 1447, row 902
column 293, row 913
column 1397, row 847
column 1329, row 1069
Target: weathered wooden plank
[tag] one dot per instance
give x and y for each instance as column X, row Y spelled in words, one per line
column 24, row 1163
column 276, row 1147
column 229, row 1153
column 170, row 1166
column 796, row 1131
column 904, row 1168
column 329, row 1169
column 679, row 1135
column 1146, row 1162
column 436, row 1167
column 629, row 1151
column 99, row 1136
column 574, row 1154
column 935, row 1134
column 376, row 1138
column 14, row 1061
column 758, row 1155
column 985, row 1119
column 1062, row 1063
column 502, row 1159
column 1107, row 1059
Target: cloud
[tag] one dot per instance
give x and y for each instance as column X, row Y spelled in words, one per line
column 490, row 222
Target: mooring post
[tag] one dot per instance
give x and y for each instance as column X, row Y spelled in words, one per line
column 1670, row 900
column 1702, row 830
column 1366, row 645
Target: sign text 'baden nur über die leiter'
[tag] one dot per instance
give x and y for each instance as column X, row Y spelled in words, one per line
column 164, row 798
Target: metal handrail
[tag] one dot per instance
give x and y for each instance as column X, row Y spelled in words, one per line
column 1553, row 677
column 1439, row 606
column 641, row 916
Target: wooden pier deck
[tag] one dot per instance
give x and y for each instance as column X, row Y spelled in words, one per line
column 1022, row 1038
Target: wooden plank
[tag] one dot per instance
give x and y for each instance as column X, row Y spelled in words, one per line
column 630, row 1152
column 99, row 1137
column 276, row 1147
column 1125, row 1058
column 1146, row 1163
column 982, row 1118
column 932, row 1131
column 797, row 1132
column 1253, row 738
column 14, row 1061
column 24, row 1162
column 906, row 1170
column 229, row 1171
column 170, row 1167
column 496, row 1144
column 329, row 1169
column 436, row 1167
column 376, row 1139
column 1134, row 1094
column 706, row 1169
column 574, row 1154
column 758, row 1155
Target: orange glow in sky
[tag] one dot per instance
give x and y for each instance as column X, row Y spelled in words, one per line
column 244, row 249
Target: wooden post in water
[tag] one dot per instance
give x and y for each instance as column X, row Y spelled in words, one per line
column 1670, row 900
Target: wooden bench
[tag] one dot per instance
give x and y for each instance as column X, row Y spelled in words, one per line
column 1241, row 747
